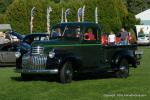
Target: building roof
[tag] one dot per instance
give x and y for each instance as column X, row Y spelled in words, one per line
column 4, row 27
column 145, row 15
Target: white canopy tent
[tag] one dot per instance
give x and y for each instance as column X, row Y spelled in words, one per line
column 4, row 27
column 144, row 17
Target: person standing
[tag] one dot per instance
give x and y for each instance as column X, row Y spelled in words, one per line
column 130, row 38
column 111, row 39
column 118, row 39
column 124, row 37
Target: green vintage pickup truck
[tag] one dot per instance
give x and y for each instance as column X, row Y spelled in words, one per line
column 74, row 51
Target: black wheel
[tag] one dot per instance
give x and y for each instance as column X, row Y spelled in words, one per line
column 66, row 73
column 25, row 77
column 123, row 70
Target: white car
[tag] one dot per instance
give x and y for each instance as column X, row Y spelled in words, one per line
column 143, row 39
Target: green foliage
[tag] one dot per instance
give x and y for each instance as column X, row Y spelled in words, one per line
column 137, row 6
column 112, row 13
column 130, row 22
column 4, row 4
column 1, row 18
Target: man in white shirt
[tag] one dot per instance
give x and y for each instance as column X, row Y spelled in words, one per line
column 111, row 39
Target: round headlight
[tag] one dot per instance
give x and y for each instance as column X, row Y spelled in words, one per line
column 17, row 54
column 51, row 54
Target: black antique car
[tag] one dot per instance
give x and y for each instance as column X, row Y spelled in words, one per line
column 75, row 52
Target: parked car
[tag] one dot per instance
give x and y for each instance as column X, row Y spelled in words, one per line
column 75, row 51
column 8, row 46
column 143, row 39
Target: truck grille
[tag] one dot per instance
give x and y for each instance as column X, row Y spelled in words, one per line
column 37, row 50
column 34, row 62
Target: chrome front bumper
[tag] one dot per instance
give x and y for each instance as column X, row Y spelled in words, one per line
column 27, row 71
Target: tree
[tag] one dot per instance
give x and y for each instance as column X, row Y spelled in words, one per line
column 137, row 6
column 113, row 14
column 4, row 4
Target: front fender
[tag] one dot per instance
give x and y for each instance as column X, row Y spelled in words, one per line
column 73, row 58
column 61, row 56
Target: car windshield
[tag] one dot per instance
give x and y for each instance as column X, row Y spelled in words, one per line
column 143, row 35
column 66, row 32
column 29, row 39
column 71, row 32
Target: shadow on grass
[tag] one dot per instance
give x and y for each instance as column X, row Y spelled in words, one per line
column 55, row 78
column 94, row 76
column 7, row 66
column 49, row 78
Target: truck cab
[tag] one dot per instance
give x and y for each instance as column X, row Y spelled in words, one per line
column 78, row 49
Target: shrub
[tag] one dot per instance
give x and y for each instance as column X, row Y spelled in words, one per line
column 112, row 14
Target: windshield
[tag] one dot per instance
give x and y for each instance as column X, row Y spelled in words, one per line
column 72, row 32
column 67, row 32
column 37, row 37
column 143, row 35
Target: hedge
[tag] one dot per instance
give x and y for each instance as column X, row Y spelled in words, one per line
column 113, row 14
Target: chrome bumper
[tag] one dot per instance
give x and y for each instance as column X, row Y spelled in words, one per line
column 52, row 71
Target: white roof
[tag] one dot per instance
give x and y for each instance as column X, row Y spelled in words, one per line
column 5, row 27
column 145, row 15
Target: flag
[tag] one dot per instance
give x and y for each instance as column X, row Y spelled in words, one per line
column 33, row 10
column 49, row 9
column 79, row 14
column 67, row 12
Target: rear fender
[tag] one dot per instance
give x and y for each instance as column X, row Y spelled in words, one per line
column 127, row 54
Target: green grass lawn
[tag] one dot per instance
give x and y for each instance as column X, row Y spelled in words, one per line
column 11, row 88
